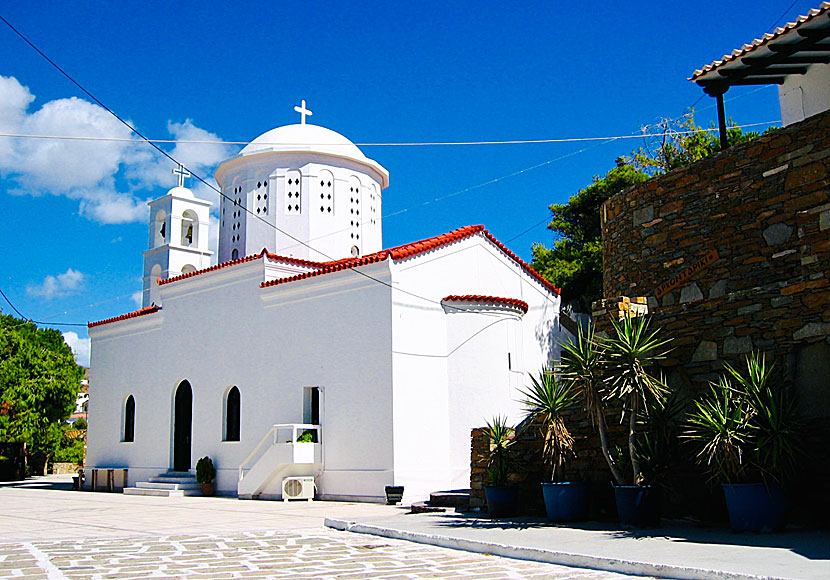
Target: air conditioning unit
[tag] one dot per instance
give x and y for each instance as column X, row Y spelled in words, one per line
column 298, row 488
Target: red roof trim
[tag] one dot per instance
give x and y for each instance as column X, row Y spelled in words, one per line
column 136, row 314
column 759, row 42
column 162, row 282
column 264, row 252
column 480, row 299
column 412, row 249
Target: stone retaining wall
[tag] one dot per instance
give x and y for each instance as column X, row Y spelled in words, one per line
column 730, row 255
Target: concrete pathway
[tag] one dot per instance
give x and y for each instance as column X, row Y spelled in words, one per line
column 50, row 533
column 677, row 552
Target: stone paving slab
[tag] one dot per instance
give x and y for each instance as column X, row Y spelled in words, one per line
column 308, row 554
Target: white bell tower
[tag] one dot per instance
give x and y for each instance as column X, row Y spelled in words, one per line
column 178, row 243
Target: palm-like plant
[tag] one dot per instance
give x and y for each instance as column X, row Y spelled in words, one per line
column 500, row 437
column 546, row 401
column 720, row 426
column 581, row 366
column 749, row 425
column 627, row 358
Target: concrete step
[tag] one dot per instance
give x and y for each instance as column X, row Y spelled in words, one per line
column 456, row 498
column 161, row 492
column 168, row 485
column 174, row 480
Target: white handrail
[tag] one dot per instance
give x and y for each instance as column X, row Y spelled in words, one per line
column 274, row 430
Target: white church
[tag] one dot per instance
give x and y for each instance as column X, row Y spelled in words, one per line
column 308, row 353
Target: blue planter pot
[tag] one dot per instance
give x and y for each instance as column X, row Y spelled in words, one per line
column 567, row 501
column 638, row 506
column 501, row 501
column 755, row 507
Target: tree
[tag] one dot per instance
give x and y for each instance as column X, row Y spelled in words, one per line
column 39, row 383
column 574, row 263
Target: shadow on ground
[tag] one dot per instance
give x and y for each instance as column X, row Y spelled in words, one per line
column 812, row 544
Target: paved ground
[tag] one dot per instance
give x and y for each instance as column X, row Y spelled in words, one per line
column 51, row 534
column 685, row 552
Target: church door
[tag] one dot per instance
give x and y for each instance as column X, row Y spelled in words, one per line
column 182, row 422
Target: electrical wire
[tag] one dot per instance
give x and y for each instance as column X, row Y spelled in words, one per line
column 374, row 144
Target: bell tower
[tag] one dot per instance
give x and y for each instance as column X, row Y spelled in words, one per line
column 178, row 241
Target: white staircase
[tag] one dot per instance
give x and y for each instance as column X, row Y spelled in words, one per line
column 277, row 456
column 168, row 484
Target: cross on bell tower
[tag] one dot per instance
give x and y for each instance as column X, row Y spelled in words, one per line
column 303, row 112
column 181, row 173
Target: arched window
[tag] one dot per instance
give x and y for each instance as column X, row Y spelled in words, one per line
column 129, row 420
column 235, row 254
column 188, row 269
column 159, row 228
column 232, row 406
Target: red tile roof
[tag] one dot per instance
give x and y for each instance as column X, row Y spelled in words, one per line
column 412, row 249
column 136, row 314
column 478, row 298
column 397, row 253
column 764, row 40
column 264, row 252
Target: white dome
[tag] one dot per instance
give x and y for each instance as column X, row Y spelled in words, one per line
column 311, row 138
column 181, row 192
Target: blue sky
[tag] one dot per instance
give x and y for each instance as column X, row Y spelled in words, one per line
column 75, row 212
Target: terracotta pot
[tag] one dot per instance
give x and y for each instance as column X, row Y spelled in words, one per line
column 208, row 489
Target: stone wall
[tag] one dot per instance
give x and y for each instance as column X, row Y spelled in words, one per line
column 732, row 254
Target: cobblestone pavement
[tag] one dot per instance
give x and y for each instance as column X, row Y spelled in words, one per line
column 318, row 553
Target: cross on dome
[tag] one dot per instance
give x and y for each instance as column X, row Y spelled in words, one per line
column 303, row 112
column 181, row 173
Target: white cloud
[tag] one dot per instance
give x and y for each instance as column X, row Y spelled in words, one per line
column 79, row 346
column 106, row 177
column 64, row 284
column 137, row 298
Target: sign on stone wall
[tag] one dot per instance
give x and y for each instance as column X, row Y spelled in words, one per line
column 686, row 274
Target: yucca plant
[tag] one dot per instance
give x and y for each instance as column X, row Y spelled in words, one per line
column 546, row 401
column 581, row 366
column 500, row 437
column 719, row 425
column 747, row 424
column 627, row 358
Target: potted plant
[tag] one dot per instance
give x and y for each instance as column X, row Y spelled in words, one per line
column 627, row 358
column 748, row 432
column 205, row 474
column 616, row 369
column 546, row 402
column 501, row 497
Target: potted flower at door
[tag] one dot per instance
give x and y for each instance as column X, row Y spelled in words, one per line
column 546, row 402
column 205, row 474
column 501, row 497
column 748, row 432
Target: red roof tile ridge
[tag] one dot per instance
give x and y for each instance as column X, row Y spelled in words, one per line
column 480, row 298
column 525, row 266
column 135, row 314
column 292, row 260
column 412, row 249
column 162, row 282
column 758, row 42
column 397, row 253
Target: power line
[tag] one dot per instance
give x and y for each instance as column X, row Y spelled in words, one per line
column 372, row 144
column 200, row 179
column 783, row 14
column 27, row 320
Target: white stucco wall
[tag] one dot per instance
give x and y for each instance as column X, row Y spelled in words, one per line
column 453, row 376
column 221, row 329
column 803, row 96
